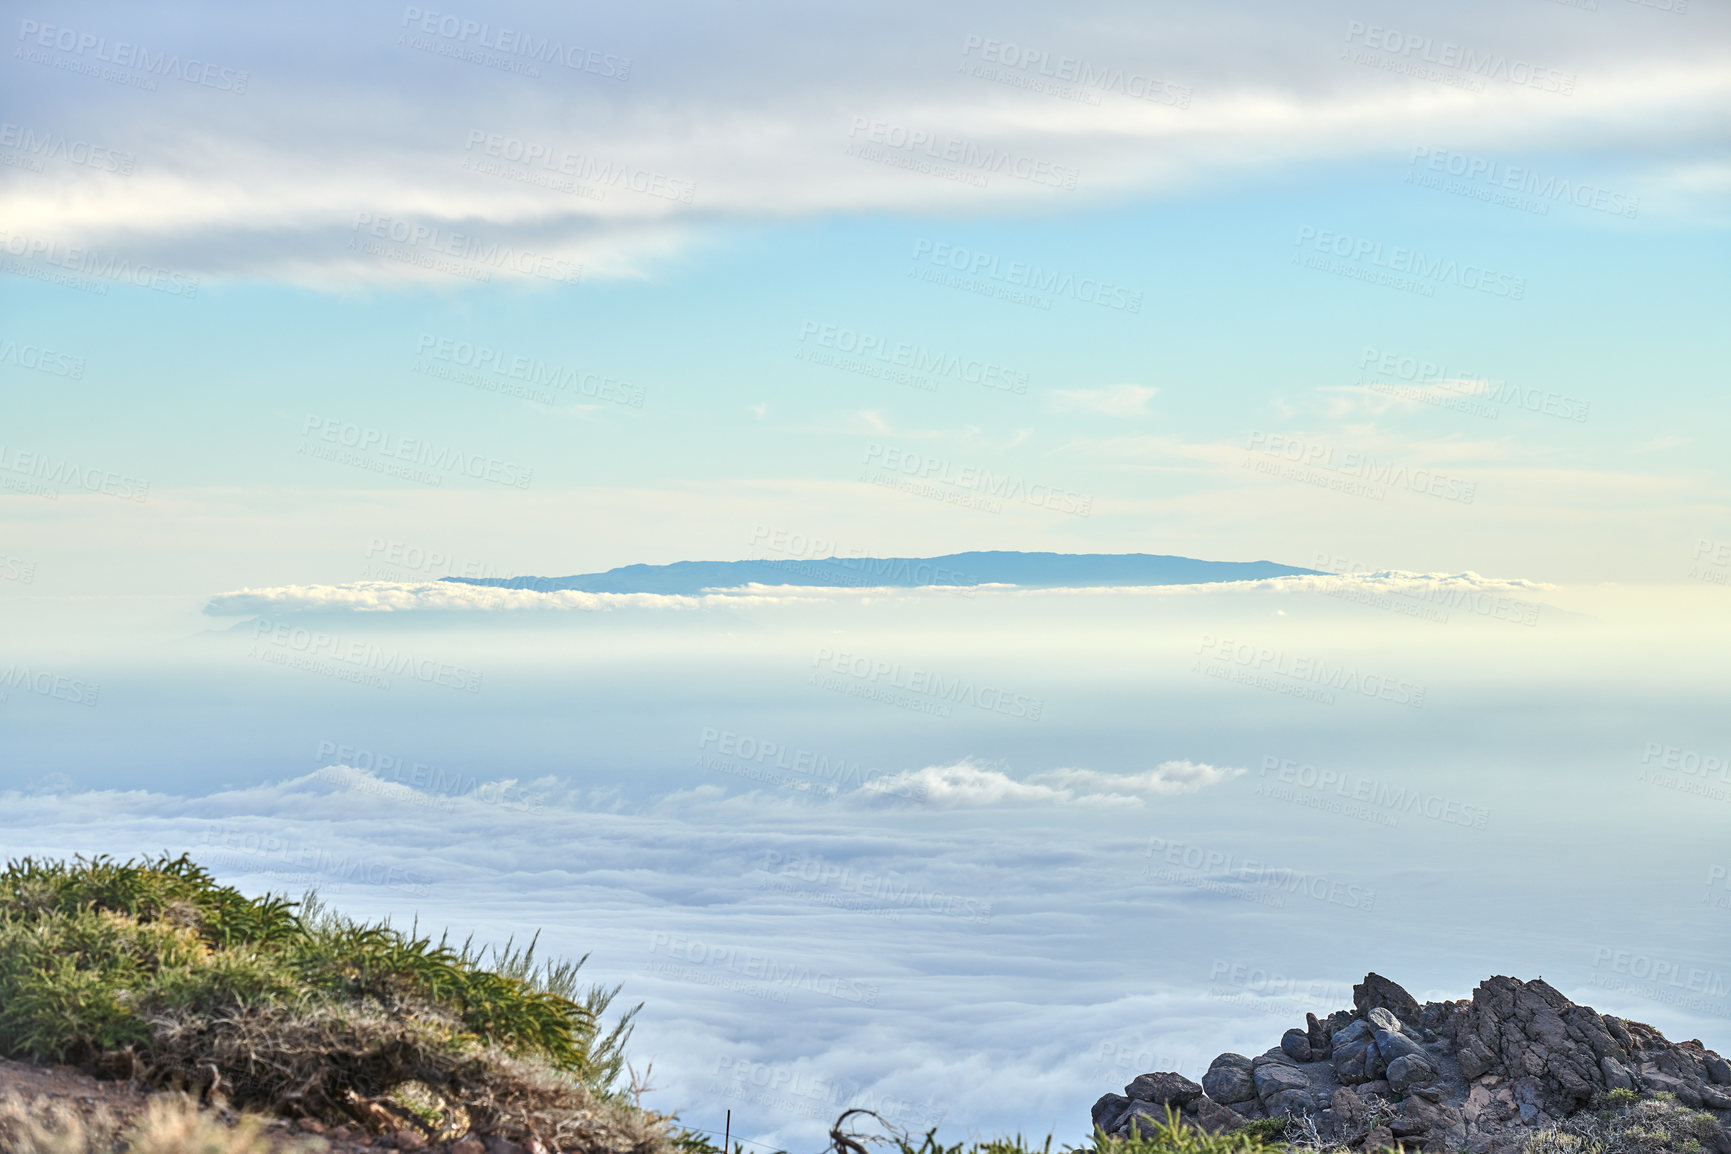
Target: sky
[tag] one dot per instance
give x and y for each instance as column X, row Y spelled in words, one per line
column 304, row 308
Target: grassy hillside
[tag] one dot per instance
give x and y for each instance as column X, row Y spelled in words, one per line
column 149, row 969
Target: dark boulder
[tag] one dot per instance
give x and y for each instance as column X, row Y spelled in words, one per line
column 1377, row 990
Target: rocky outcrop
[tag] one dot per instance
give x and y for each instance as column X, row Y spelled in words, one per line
column 1475, row 1075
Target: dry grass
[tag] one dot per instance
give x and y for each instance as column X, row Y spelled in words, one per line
column 169, row 1124
column 1653, row 1125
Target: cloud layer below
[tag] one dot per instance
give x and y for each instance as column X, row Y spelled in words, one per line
column 363, row 597
column 992, row 960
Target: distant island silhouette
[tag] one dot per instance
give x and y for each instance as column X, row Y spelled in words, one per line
column 994, row 567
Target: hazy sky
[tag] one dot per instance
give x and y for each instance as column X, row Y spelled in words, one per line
column 293, row 298
column 622, row 265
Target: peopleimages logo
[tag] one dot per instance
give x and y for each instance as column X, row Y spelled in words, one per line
column 387, row 449
column 1004, row 486
column 915, row 358
column 968, row 154
column 1075, row 70
column 1518, row 179
column 1412, row 263
column 41, row 359
column 125, row 55
column 577, row 165
column 1353, row 788
column 1469, row 387
column 45, row 470
column 436, row 242
column 362, row 654
column 764, row 968
column 1309, row 669
column 1022, row 275
column 888, row 890
column 512, row 42
column 532, row 372
column 726, row 750
column 47, row 683
column 1213, row 863
column 88, row 262
column 1447, row 54
column 48, row 146
column 893, row 675
column 1662, row 971
column 1363, row 467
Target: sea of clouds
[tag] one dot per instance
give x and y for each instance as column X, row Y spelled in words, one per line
column 972, row 861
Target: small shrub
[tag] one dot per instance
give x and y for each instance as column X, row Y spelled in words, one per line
column 1652, row 1125
column 1173, row 1137
column 1267, row 1129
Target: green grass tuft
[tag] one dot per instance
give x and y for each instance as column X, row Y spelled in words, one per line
column 1172, row 1137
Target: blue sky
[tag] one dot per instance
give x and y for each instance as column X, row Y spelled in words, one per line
column 285, row 307
column 1591, row 184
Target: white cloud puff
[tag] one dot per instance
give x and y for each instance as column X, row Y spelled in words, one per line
column 1111, row 401
column 442, row 597
column 970, row 785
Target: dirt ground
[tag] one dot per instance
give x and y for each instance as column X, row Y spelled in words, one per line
column 124, row 1100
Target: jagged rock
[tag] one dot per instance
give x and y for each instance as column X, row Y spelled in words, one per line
column 1393, row 1045
column 1348, row 1062
column 1351, row 1114
column 1352, row 1032
column 1375, row 1061
column 1664, row 1083
column 1321, row 1040
column 1377, row 990
column 1216, row 1118
column 1475, row 1057
column 1350, row 1049
column 1228, row 1079
column 1539, row 1038
column 1405, row 1127
column 1174, row 1090
column 1109, row 1111
column 1143, row 1118
column 1471, row 1075
column 1408, row 1072
column 1274, row 1078
column 1433, row 1126
column 1380, row 1138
